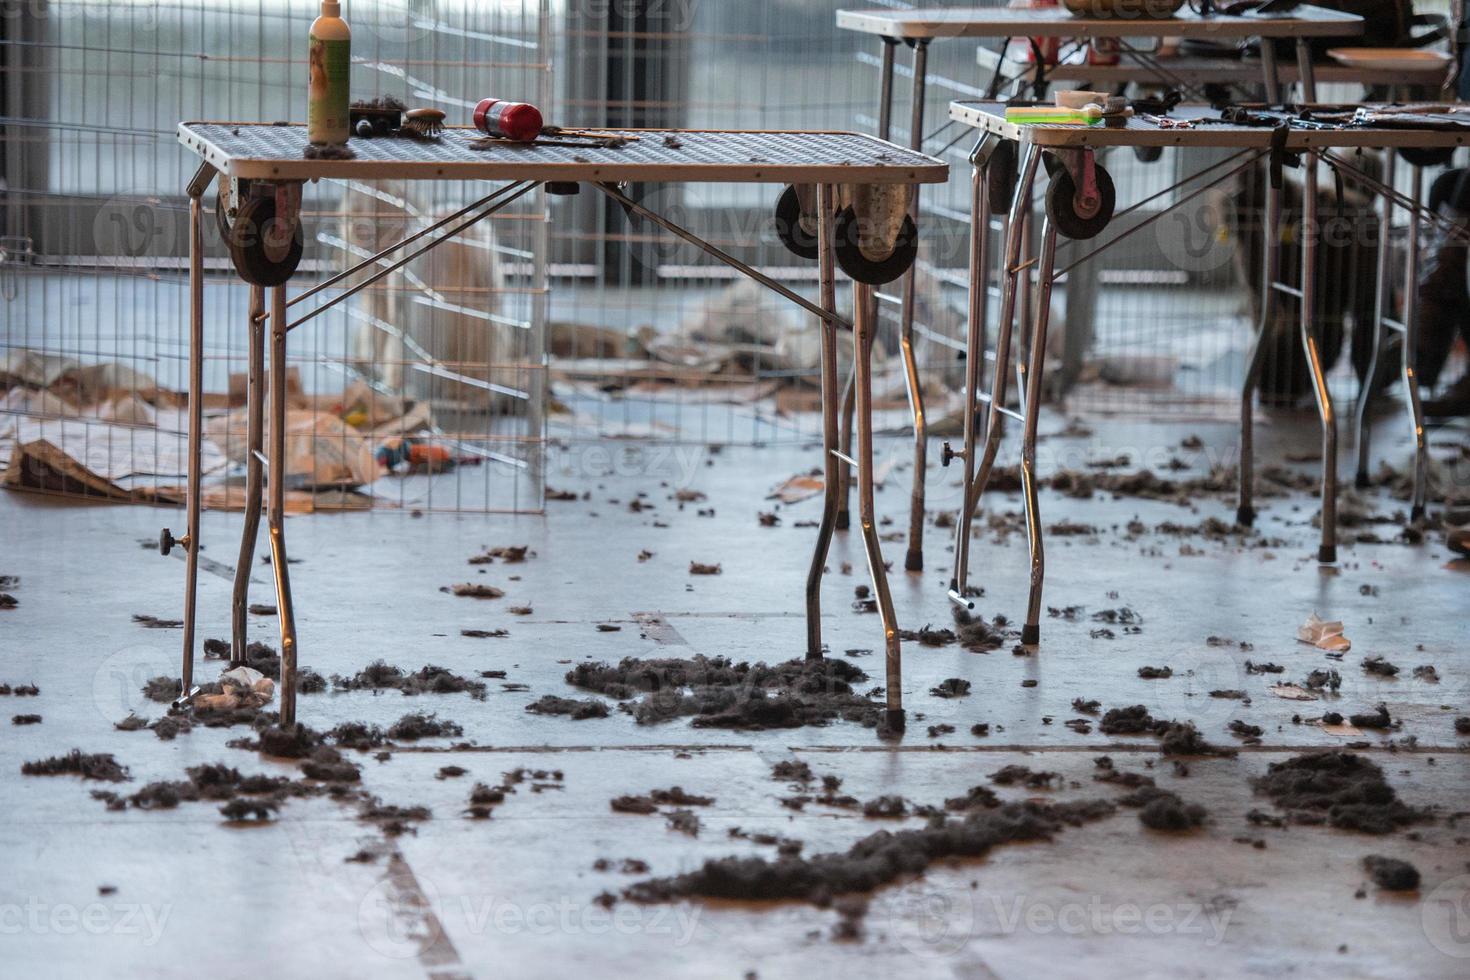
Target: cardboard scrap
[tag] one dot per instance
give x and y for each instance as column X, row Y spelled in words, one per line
column 1323, row 635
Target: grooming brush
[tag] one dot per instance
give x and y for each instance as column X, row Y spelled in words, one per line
column 422, row 124
column 376, row 117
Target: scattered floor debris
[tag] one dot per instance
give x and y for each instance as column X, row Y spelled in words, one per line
column 718, row 693
column 874, row 861
column 1391, row 874
column 25, row 720
column 89, row 765
column 951, row 687
column 1023, row 775
column 484, row 634
column 577, row 710
column 509, row 554
column 1155, row 673
column 154, row 623
column 1379, row 666
column 164, row 689
column 1160, row 809
column 1323, row 635
column 1337, row 788
column 429, row 679
column 700, row 568
column 474, row 590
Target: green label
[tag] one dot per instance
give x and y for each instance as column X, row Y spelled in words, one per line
column 329, row 73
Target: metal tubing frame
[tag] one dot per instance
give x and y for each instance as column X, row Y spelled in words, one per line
column 192, row 496
column 1362, row 435
column 276, row 510
column 995, row 418
column 831, row 464
column 849, row 405
column 1409, row 364
column 1245, row 512
column 1031, row 402
column 975, row 341
column 275, row 462
column 864, row 328
column 914, row 558
column 254, row 474
column 1327, row 549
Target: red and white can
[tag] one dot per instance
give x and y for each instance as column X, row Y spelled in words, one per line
column 519, row 121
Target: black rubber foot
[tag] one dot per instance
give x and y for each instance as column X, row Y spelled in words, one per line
column 1417, row 515
column 1245, row 516
column 913, row 561
column 1327, row 554
column 1361, row 481
column 1031, row 634
column 842, row 520
column 893, row 720
column 814, row 654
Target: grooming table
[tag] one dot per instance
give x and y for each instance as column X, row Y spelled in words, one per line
column 1192, row 71
column 917, row 28
column 1071, row 149
column 853, row 190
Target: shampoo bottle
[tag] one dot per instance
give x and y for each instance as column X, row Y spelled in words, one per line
column 329, row 69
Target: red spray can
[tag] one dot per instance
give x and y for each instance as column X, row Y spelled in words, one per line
column 519, row 121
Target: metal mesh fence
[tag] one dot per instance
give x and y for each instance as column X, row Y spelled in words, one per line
column 447, row 353
column 646, row 337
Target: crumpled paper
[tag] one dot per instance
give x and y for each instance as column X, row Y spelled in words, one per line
column 240, row 687
column 1323, row 634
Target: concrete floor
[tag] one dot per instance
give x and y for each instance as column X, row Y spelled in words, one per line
column 515, row 894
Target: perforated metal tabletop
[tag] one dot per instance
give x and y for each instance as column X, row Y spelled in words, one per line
column 1301, row 21
column 266, row 151
column 990, row 116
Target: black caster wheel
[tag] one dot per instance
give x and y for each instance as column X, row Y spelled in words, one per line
column 1052, row 163
column 1061, row 205
column 1425, row 156
column 1148, row 154
column 862, row 269
column 1000, row 178
column 789, row 229
column 255, row 226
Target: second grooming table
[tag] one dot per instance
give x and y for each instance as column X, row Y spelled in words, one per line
column 1073, row 149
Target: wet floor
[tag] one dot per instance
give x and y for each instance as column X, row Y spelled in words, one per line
column 180, row 891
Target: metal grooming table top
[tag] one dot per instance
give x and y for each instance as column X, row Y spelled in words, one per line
column 1303, row 21
column 267, row 151
column 1201, row 70
column 990, row 116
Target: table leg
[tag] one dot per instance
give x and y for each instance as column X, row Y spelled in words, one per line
column 1327, row 550
column 192, row 498
column 1011, row 260
column 863, row 329
column 276, row 513
column 1306, row 70
column 1411, row 353
column 885, row 126
column 1362, row 431
column 1031, row 631
column 831, row 465
column 1271, row 245
column 254, row 472
column 975, row 339
column 844, row 472
column 1270, row 76
column 914, row 559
